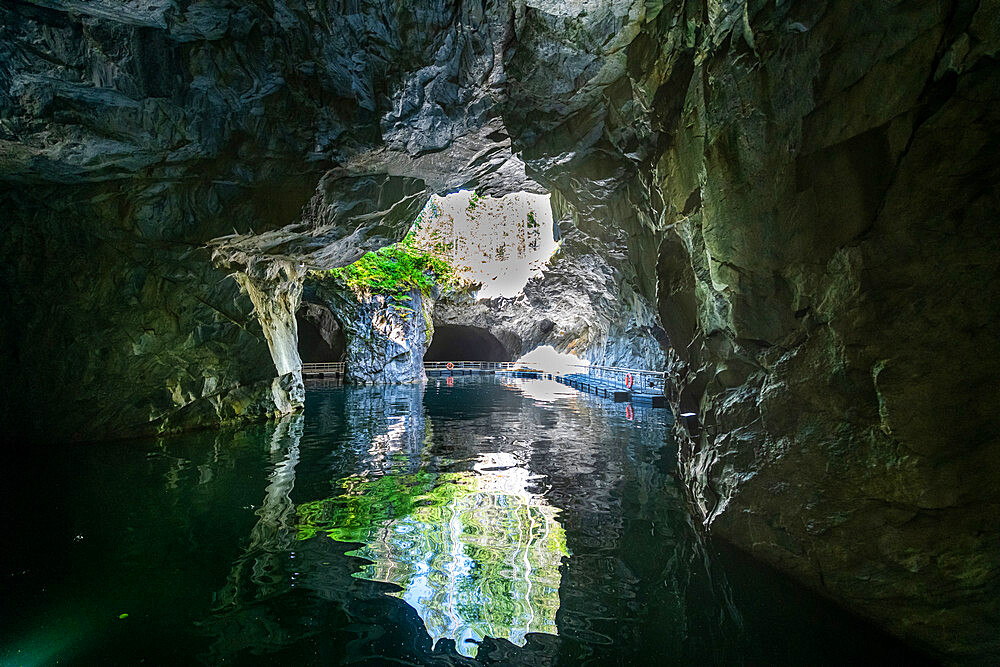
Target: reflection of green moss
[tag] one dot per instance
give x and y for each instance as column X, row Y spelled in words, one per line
column 475, row 555
column 367, row 503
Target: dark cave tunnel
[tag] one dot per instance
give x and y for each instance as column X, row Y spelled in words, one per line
column 320, row 336
column 454, row 342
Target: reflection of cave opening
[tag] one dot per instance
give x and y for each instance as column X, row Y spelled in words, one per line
column 321, row 338
column 459, row 343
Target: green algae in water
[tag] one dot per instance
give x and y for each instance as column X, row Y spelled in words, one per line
column 475, row 553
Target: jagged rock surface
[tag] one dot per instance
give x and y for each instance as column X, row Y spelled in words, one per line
column 385, row 337
column 843, row 360
column 810, row 184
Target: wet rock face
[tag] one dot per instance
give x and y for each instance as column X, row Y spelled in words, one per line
column 804, row 186
column 384, row 337
column 823, row 172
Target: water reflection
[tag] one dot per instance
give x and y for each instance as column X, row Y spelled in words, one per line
column 464, row 504
column 241, row 619
column 476, row 554
column 258, row 569
column 542, row 391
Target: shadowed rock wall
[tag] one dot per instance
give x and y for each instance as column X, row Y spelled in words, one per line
column 809, row 187
column 321, row 338
column 842, row 358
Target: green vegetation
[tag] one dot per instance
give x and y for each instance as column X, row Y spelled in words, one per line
column 395, row 271
column 474, row 201
column 367, row 504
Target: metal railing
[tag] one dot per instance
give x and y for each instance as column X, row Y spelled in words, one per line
column 642, row 380
column 326, row 368
column 472, row 365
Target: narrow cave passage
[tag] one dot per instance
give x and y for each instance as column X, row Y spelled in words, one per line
column 464, row 343
column 321, row 338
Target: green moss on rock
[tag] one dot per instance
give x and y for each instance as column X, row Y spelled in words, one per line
column 395, row 271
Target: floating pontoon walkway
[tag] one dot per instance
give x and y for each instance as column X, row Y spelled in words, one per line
column 614, row 383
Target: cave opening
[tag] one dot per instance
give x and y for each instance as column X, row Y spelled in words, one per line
column 465, row 343
column 321, row 338
column 499, row 243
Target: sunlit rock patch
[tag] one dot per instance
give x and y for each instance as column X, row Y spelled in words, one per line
column 475, row 553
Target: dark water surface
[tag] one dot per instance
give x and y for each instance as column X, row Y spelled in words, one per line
column 514, row 522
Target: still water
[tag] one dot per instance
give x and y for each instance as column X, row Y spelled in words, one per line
column 490, row 521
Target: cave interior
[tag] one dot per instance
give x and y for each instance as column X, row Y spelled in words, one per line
column 465, row 343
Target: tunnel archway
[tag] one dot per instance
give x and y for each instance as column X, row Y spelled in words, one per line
column 453, row 342
column 321, row 338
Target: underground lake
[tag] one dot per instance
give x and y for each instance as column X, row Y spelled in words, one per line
column 472, row 519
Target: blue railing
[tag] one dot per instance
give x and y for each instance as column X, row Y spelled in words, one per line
column 644, row 381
